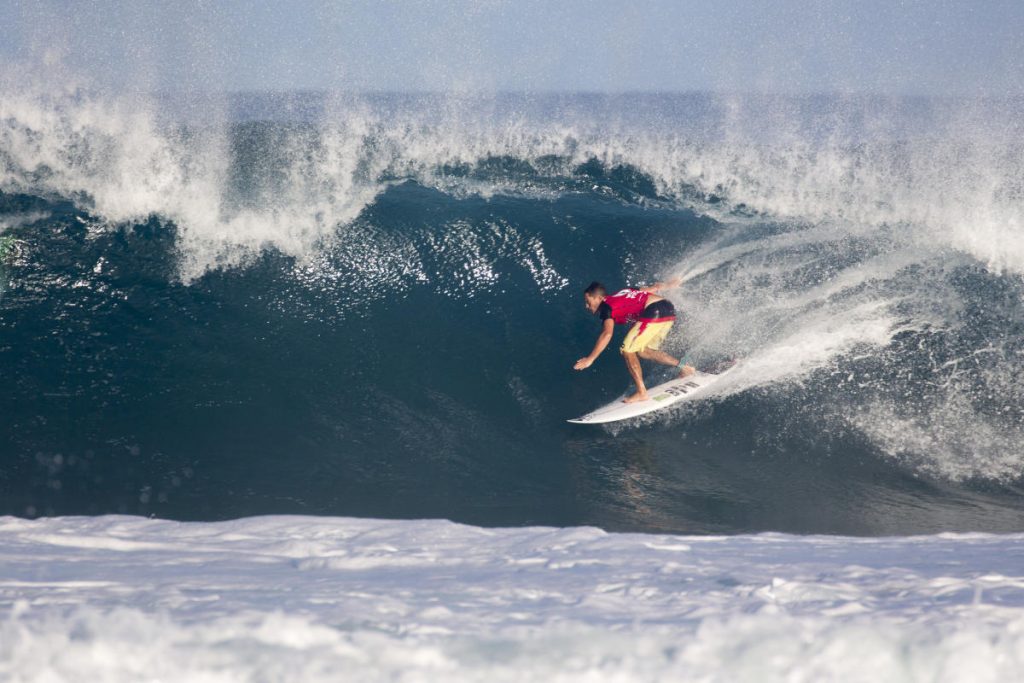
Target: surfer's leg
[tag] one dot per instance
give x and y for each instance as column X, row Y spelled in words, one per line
column 659, row 356
column 651, row 349
column 633, row 365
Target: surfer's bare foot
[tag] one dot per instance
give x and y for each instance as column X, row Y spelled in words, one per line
column 686, row 371
column 638, row 396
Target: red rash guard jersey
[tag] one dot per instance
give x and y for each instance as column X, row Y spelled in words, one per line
column 624, row 306
column 630, row 305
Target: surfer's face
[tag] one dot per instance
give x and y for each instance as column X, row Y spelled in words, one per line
column 591, row 302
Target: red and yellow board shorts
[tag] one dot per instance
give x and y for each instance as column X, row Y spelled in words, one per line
column 646, row 334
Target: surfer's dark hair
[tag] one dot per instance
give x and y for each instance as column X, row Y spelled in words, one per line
column 595, row 288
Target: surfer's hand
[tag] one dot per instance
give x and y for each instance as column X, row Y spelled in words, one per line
column 583, row 364
column 673, row 283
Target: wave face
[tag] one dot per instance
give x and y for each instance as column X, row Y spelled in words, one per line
column 370, row 306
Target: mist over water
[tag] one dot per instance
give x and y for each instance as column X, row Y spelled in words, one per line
column 328, row 303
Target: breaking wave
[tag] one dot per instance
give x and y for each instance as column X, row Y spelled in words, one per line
column 423, row 254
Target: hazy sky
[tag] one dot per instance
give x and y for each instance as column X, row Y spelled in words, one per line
column 938, row 47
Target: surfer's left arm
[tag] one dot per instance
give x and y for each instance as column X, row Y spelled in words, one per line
column 602, row 343
column 662, row 286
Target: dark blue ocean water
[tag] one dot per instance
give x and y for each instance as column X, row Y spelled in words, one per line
column 324, row 306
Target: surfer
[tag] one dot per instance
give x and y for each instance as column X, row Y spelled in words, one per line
column 652, row 317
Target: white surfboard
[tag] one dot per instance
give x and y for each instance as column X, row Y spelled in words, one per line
column 661, row 396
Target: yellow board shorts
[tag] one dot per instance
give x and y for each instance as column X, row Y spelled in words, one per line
column 645, row 335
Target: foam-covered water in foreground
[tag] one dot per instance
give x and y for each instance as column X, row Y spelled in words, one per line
column 300, row 598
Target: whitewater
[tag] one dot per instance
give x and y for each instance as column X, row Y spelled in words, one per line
column 317, row 599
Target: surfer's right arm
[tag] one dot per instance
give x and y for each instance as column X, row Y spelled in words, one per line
column 602, row 343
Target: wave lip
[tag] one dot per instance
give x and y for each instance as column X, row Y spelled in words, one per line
column 286, row 172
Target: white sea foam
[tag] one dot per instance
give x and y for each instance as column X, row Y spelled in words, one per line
column 811, row 299
column 309, row 599
column 115, row 155
column 957, row 182
column 852, row 246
